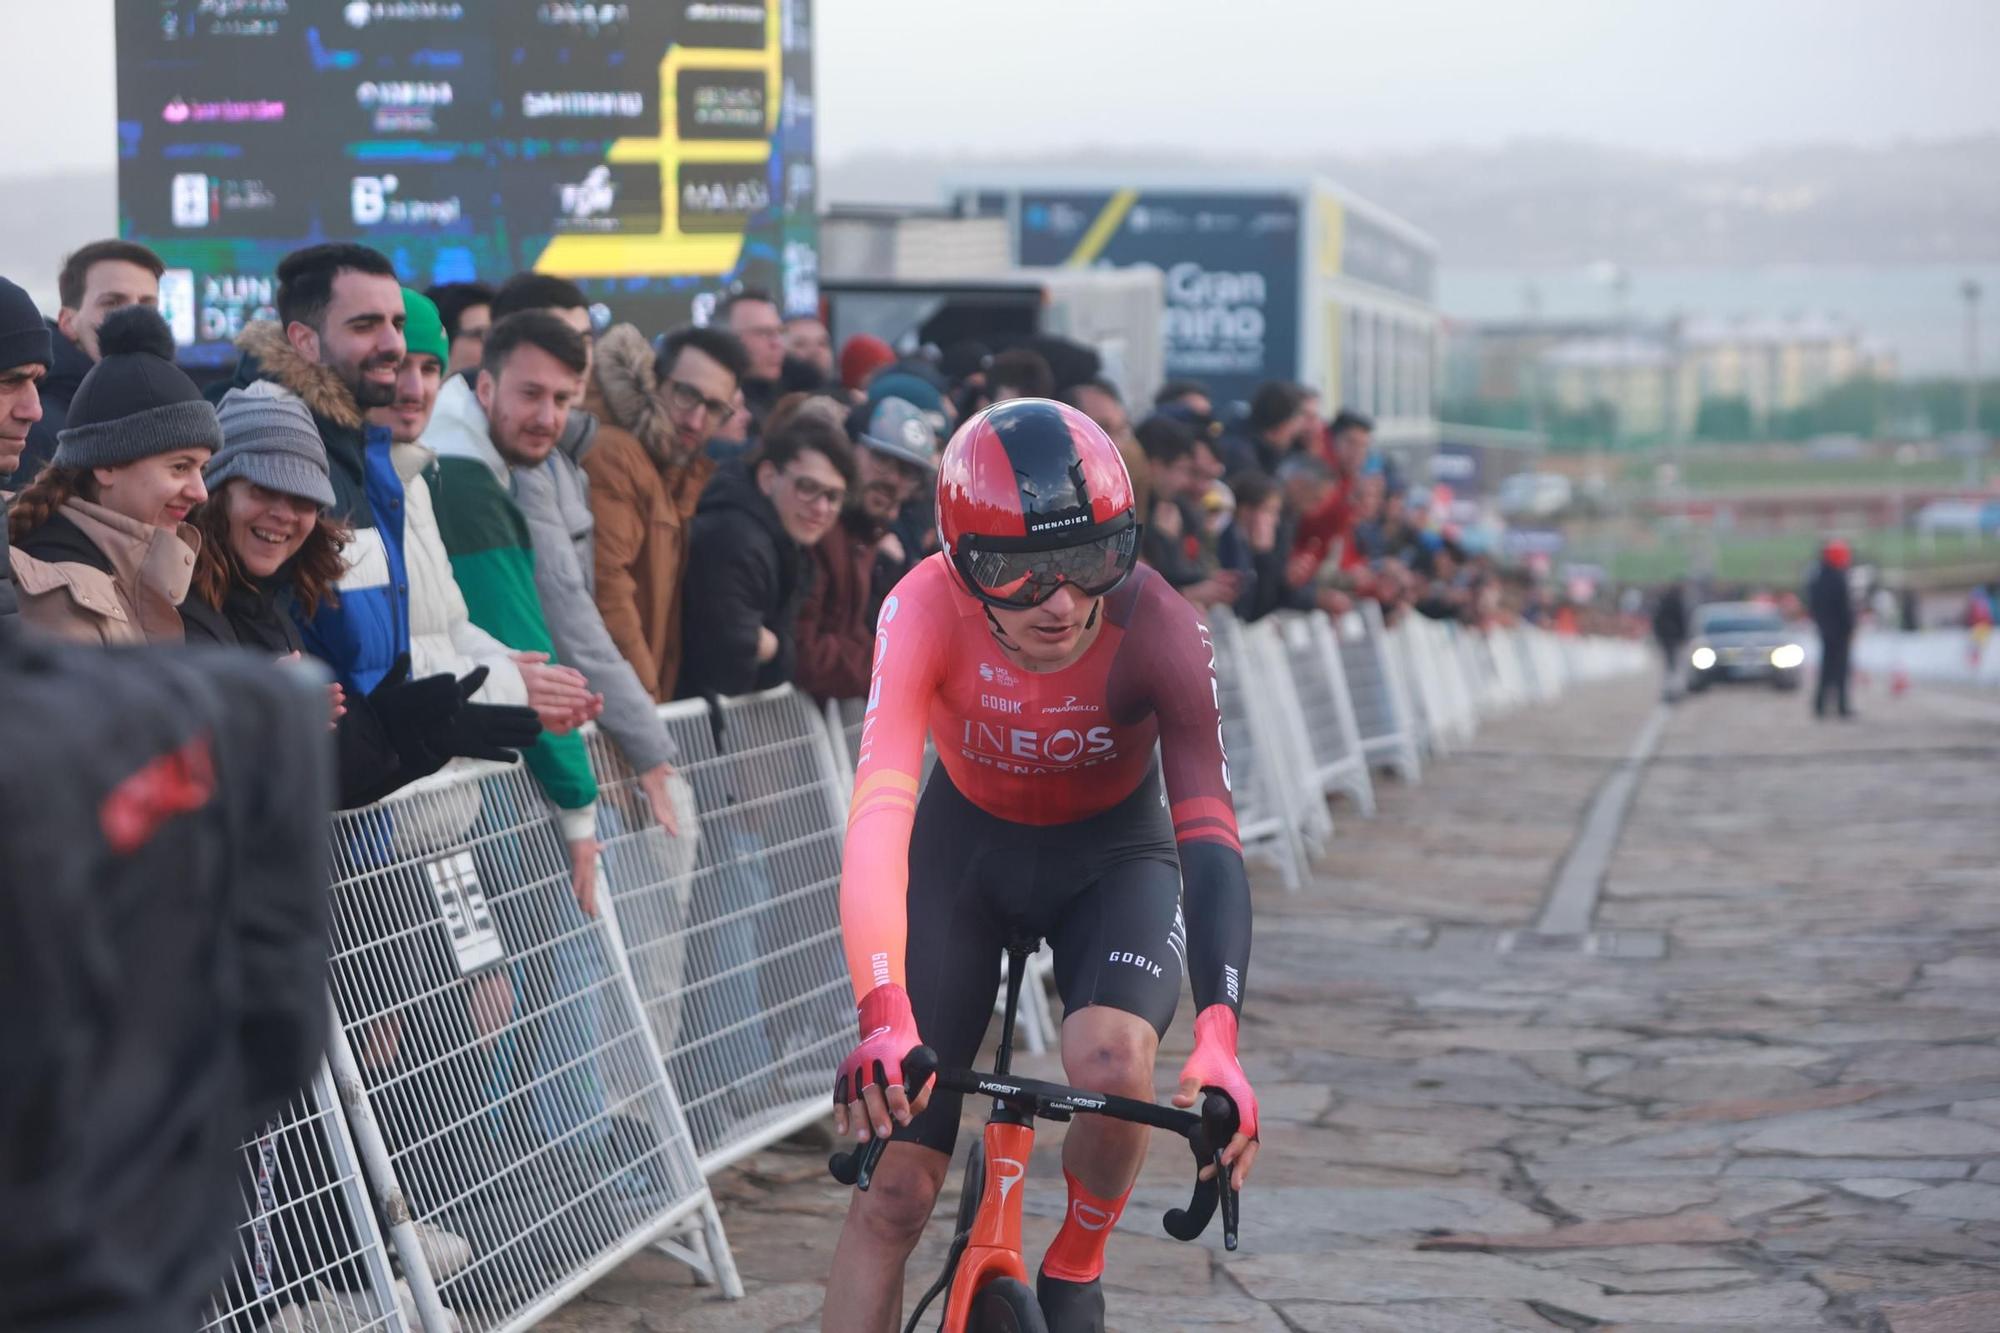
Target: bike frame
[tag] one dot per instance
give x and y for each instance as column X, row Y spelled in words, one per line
column 993, row 1248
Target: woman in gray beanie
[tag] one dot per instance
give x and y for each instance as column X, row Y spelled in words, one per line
column 268, row 548
column 101, row 552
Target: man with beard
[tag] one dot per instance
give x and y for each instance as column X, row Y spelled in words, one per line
column 647, row 471
column 337, row 347
column 513, row 416
column 553, row 495
column 860, row 559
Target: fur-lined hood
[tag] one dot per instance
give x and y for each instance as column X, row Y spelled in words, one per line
column 264, row 343
column 627, row 390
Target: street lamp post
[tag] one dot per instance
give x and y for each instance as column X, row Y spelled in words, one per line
column 1975, row 458
column 1970, row 291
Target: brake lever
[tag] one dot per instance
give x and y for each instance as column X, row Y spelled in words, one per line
column 856, row 1166
column 1218, row 1125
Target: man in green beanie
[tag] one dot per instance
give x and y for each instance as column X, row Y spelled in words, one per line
column 421, row 374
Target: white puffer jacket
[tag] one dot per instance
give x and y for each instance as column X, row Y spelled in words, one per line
column 442, row 635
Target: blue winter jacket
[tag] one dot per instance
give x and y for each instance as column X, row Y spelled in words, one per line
column 368, row 628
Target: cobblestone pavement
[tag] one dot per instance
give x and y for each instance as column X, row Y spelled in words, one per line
column 1790, row 1121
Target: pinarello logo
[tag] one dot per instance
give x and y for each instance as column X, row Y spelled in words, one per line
column 1009, row 1172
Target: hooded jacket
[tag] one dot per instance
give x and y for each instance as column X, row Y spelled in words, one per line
column 66, row 371
column 362, row 633
column 91, row 575
column 745, row 573
column 493, row 561
column 163, row 965
column 643, row 494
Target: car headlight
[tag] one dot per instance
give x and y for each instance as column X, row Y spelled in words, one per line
column 1703, row 658
column 1788, row 656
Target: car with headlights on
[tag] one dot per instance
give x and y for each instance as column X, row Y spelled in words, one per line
column 1743, row 641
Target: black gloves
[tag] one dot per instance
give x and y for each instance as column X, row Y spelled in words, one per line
column 489, row 731
column 430, row 721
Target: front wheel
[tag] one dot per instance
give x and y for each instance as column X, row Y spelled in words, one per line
column 1007, row 1305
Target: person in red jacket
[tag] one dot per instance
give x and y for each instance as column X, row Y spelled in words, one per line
column 856, row 564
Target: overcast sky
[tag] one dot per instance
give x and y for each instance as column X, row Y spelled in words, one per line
column 1268, row 77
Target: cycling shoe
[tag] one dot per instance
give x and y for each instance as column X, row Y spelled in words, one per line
column 1071, row 1307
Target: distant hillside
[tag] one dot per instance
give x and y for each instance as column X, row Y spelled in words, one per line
column 1549, row 202
column 1528, row 203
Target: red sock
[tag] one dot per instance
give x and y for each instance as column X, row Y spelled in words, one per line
column 1077, row 1253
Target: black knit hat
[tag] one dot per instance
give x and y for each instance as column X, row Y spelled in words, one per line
column 24, row 334
column 135, row 402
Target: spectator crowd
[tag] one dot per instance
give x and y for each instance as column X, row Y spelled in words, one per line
column 493, row 522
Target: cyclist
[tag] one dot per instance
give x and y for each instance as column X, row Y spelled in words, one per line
column 1044, row 667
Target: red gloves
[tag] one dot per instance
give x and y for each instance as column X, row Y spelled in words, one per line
column 1213, row 1064
column 888, row 1033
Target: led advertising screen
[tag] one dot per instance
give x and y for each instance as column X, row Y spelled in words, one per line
column 658, row 152
column 1231, row 263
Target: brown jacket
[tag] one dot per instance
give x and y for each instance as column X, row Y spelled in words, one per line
column 643, row 494
column 104, row 578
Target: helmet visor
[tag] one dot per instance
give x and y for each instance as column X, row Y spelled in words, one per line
column 1021, row 579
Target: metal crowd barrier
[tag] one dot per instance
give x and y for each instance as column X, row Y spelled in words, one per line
column 1379, row 694
column 1269, row 819
column 732, row 932
column 309, row 1257
column 1337, row 761
column 521, row 1096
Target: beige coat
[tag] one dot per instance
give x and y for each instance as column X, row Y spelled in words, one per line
column 135, row 601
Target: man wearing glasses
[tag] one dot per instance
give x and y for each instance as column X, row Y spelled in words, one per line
column 750, row 560
column 647, row 471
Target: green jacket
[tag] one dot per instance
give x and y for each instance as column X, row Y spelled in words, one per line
column 494, row 564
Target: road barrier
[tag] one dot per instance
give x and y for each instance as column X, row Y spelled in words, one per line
column 1379, row 694
column 1336, row 757
column 521, row 1092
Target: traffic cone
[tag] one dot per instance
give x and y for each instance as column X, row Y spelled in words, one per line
column 1899, row 683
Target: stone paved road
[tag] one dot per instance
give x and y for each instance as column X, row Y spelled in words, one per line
column 1791, row 1121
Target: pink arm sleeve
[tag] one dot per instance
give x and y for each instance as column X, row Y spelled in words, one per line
column 911, row 639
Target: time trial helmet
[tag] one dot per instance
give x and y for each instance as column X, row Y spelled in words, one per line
column 1032, row 494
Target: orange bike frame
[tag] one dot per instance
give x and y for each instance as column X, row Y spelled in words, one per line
column 994, row 1249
